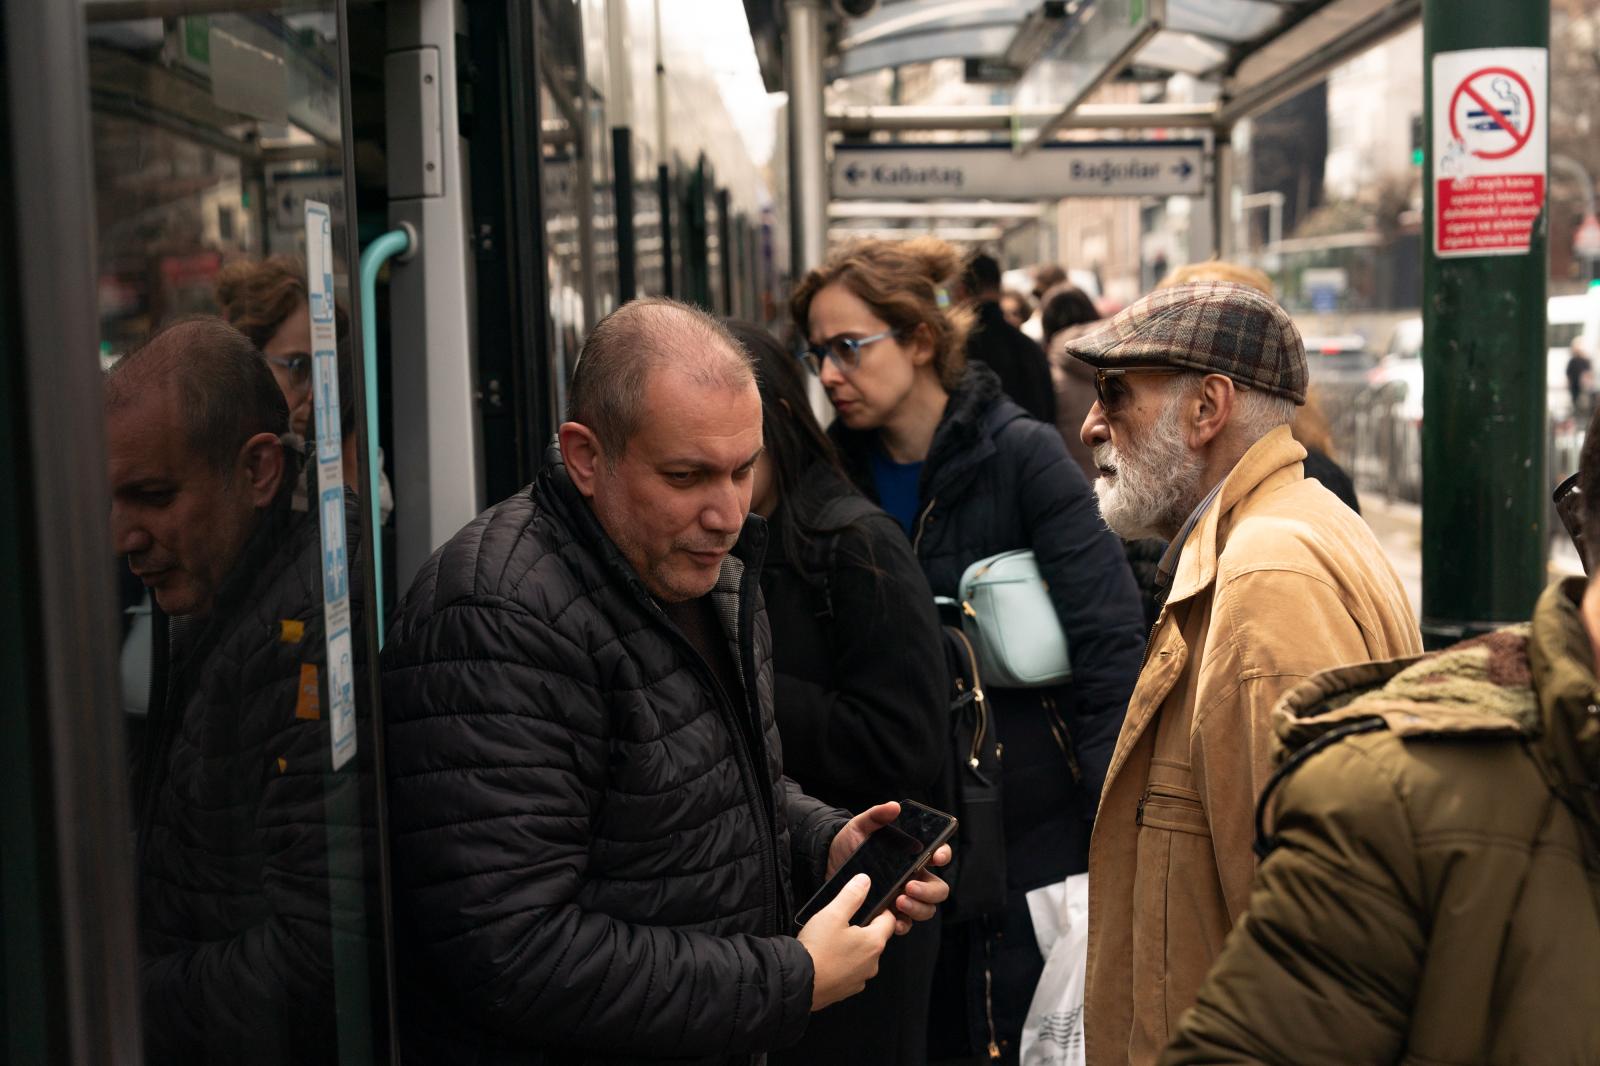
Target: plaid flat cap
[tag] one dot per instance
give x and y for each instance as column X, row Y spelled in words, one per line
column 1214, row 327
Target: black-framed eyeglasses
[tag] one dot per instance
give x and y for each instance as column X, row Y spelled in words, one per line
column 844, row 351
column 298, row 368
column 1568, row 499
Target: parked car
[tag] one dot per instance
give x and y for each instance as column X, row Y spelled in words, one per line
column 1339, row 358
column 1567, row 320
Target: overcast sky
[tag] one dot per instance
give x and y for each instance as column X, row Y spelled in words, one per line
column 725, row 42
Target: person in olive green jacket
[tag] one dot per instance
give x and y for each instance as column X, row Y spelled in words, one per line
column 1431, row 886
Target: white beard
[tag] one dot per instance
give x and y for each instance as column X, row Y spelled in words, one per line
column 1154, row 487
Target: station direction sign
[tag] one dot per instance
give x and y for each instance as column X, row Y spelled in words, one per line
column 994, row 172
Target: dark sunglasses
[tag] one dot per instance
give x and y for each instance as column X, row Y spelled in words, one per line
column 844, row 351
column 1568, row 499
column 298, row 367
column 1113, row 392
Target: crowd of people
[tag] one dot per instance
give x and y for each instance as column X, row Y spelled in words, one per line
column 637, row 713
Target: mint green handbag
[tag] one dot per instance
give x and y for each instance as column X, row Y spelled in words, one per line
column 1007, row 614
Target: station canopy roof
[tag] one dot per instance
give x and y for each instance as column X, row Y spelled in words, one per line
column 1255, row 51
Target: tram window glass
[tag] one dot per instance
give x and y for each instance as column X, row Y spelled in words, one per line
column 602, row 252
column 715, row 291
column 559, row 48
column 559, row 158
column 246, row 619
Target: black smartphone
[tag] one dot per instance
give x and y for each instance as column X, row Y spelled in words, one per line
column 892, row 856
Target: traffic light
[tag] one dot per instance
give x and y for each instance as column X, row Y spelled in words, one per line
column 1416, row 140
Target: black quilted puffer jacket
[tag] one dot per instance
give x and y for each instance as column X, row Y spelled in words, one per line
column 592, row 848
column 237, row 812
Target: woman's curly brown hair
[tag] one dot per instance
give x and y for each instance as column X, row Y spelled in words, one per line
column 903, row 282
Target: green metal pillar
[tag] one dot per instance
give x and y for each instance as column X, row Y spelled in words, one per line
column 1484, row 488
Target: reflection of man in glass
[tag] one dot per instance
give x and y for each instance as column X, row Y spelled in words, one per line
column 229, row 784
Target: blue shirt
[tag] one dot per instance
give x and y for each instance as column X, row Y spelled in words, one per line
column 897, row 485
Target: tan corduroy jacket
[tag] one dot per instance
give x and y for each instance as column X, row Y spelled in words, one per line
column 1277, row 582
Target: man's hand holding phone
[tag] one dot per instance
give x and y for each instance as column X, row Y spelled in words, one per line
column 881, row 858
column 922, row 894
column 844, row 956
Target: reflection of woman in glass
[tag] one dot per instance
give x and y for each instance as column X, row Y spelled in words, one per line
column 266, row 300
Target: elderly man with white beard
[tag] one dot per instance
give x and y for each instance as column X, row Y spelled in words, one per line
column 1270, row 579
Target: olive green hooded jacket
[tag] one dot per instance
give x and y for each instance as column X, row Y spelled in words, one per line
column 1432, row 891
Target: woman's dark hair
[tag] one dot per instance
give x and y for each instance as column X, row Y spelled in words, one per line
column 793, row 440
column 1064, row 306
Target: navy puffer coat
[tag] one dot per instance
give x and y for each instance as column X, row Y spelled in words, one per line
column 592, row 848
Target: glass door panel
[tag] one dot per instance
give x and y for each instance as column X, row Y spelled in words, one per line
column 234, row 459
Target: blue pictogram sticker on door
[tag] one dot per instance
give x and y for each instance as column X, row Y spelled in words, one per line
column 319, row 266
column 325, row 408
column 330, row 485
column 335, row 567
column 341, row 697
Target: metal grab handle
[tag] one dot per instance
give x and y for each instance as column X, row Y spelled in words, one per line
column 400, row 242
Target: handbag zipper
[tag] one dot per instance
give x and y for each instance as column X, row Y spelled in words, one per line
column 982, row 730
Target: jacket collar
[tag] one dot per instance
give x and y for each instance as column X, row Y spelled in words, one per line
column 1271, row 463
column 976, row 412
column 989, row 312
column 1535, row 681
column 553, row 489
column 1561, row 660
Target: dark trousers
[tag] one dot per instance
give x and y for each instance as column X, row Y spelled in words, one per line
column 884, row 1025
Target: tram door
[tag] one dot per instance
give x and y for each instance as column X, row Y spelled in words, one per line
column 491, row 159
column 195, row 867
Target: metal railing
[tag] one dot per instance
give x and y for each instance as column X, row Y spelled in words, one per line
column 1380, row 445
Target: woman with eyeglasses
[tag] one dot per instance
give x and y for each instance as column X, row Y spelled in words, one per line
column 969, row 475
column 266, row 300
column 860, row 690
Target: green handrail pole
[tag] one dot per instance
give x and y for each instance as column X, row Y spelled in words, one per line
column 1484, row 485
column 403, row 243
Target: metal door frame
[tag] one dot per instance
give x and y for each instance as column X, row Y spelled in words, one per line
column 78, row 710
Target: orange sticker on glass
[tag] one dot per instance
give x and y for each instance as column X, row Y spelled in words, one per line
column 309, row 705
column 291, row 630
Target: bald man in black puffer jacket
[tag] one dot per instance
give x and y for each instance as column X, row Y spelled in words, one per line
column 596, row 855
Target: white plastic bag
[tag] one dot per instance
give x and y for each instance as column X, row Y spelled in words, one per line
column 1052, row 1035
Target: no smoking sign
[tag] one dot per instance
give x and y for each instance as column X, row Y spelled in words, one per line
column 1490, row 149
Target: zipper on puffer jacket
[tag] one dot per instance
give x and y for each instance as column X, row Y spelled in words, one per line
column 761, row 770
column 748, row 774
column 922, row 525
